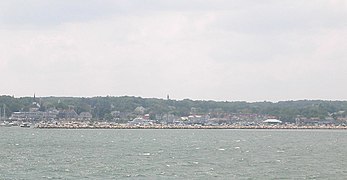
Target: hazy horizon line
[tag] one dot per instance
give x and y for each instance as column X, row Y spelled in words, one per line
column 176, row 99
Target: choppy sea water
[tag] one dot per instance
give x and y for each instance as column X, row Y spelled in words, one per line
column 172, row 154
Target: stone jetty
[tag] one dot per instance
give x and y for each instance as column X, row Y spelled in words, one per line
column 105, row 125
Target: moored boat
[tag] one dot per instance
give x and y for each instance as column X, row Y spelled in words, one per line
column 5, row 124
column 25, row 125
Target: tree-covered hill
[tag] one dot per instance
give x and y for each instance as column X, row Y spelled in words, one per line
column 102, row 106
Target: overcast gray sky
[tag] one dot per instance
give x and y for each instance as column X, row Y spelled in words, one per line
column 199, row 49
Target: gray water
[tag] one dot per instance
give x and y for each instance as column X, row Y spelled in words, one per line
column 172, row 154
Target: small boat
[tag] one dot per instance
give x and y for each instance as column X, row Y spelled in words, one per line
column 5, row 124
column 25, row 125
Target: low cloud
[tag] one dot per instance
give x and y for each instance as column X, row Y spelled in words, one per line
column 222, row 50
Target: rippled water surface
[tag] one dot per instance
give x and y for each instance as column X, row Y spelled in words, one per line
column 172, row 154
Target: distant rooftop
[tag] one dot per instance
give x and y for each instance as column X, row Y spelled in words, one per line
column 272, row 121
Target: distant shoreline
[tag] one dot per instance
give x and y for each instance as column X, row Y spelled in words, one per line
column 77, row 126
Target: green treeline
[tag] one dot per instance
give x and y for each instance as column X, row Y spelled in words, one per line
column 102, row 107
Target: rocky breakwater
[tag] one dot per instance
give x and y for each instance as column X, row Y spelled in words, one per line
column 106, row 125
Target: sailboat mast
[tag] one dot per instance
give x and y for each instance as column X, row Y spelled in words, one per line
column 4, row 112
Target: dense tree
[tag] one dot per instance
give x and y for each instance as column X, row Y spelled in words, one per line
column 101, row 107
